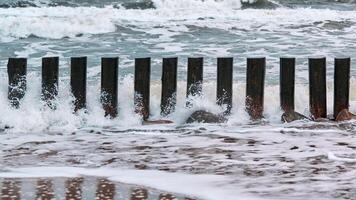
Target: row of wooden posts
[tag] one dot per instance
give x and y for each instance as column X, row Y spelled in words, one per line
column 256, row 68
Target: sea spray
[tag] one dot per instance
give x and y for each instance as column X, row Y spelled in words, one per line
column 33, row 116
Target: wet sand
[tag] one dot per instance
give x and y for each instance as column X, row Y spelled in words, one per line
column 290, row 161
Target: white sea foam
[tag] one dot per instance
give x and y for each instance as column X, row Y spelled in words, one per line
column 34, row 117
column 185, row 5
column 55, row 23
column 59, row 22
column 332, row 156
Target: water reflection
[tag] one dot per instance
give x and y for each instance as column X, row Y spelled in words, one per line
column 74, row 189
column 139, row 194
column 10, row 190
column 78, row 189
column 105, row 190
column 167, row 197
column 44, row 190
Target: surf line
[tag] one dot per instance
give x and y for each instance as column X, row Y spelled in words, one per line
column 255, row 80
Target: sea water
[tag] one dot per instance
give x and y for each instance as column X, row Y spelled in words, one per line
column 239, row 159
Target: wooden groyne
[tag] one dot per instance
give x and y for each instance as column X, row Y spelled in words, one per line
column 255, row 80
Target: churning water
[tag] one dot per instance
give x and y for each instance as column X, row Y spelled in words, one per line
column 236, row 160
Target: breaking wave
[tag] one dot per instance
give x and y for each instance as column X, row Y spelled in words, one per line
column 33, row 116
column 154, row 4
column 60, row 22
column 141, row 4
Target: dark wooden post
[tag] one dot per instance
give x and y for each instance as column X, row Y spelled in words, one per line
column 256, row 69
column 169, row 85
column 17, row 69
column 195, row 78
column 78, row 81
column 286, row 81
column 50, row 80
column 317, row 87
column 109, row 84
column 341, row 84
column 142, row 86
column 224, row 83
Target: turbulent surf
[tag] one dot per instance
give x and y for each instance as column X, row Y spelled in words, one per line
column 265, row 159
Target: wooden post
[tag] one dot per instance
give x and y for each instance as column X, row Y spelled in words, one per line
column 256, row 69
column 286, row 81
column 78, row 81
column 169, row 85
column 341, row 84
column 142, row 86
column 224, row 83
column 317, row 87
column 50, row 80
column 109, row 84
column 195, row 78
column 17, row 69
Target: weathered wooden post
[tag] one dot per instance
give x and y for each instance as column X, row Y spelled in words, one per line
column 256, row 69
column 169, row 85
column 317, row 87
column 78, row 81
column 50, row 80
column 142, row 86
column 109, row 85
column 195, row 78
column 224, row 83
column 17, row 69
column 286, row 81
column 341, row 84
